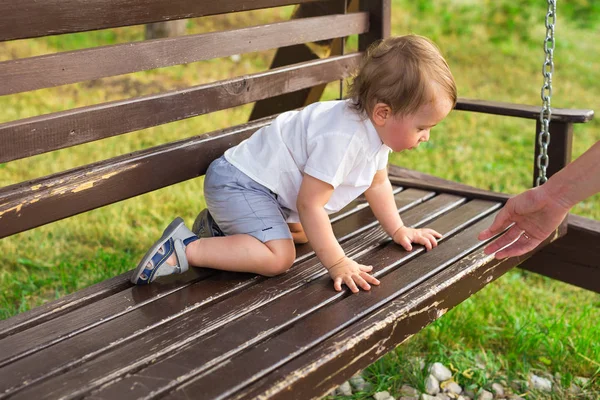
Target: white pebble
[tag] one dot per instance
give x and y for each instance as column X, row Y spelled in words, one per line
column 345, row 389
column 359, row 383
column 451, row 387
column 432, row 385
column 498, row 389
column 540, row 383
column 582, row 381
column 382, row 395
column 485, row 395
column 440, row 372
column 407, row 390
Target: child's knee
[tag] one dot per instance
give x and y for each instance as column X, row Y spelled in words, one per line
column 284, row 254
column 278, row 267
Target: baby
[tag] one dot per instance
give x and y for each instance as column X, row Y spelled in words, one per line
column 278, row 187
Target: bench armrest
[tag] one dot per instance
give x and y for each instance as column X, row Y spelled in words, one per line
column 523, row 111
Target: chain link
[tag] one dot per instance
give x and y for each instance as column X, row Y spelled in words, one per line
column 546, row 94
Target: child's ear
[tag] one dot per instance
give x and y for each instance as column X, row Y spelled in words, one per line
column 381, row 112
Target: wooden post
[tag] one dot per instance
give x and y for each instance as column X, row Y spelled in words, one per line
column 379, row 22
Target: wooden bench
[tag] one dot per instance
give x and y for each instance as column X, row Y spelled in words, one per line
column 215, row 335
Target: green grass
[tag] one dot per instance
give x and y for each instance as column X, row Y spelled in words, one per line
column 520, row 323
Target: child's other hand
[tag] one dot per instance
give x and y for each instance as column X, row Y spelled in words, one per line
column 351, row 273
column 405, row 236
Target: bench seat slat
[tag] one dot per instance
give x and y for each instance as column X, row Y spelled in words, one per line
column 36, row 135
column 76, row 66
column 69, row 338
column 295, row 323
column 94, row 293
column 130, row 299
column 206, row 321
column 32, row 18
column 56, row 308
column 324, row 366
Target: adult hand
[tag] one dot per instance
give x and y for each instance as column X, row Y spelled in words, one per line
column 535, row 215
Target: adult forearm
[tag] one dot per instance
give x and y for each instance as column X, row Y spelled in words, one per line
column 381, row 200
column 578, row 180
column 319, row 232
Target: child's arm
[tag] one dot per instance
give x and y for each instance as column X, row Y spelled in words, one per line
column 312, row 198
column 381, row 200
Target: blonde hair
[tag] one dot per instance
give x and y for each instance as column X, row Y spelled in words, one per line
column 400, row 72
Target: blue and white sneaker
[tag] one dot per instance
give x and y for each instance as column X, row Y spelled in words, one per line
column 174, row 239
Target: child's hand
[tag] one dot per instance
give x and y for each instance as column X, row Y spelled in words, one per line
column 351, row 273
column 405, row 236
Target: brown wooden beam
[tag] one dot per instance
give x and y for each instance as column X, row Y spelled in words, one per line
column 33, row 18
column 522, row 110
column 76, row 66
column 574, row 258
column 36, row 135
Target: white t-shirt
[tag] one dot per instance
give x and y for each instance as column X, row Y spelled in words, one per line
column 327, row 140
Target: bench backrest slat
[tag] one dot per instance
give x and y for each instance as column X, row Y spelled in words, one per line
column 54, row 131
column 76, row 66
column 33, row 18
column 308, row 57
column 95, row 185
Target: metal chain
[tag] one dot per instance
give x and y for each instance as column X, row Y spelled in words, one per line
column 546, row 94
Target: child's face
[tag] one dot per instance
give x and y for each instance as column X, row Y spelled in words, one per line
column 402, row 132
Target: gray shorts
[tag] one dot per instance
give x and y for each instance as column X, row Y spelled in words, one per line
column 239, row 204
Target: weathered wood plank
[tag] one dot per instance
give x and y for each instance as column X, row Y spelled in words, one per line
column 56, row 308
column 326, row 365
column 67, row 340
column 38, row 202
column 32, row 18
column 54, row 131
column 447, row 187
column 523, row 110
column 357, row 218
column 206, row 322
column 309, row 328
column 75, row 66
column 354, row 220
